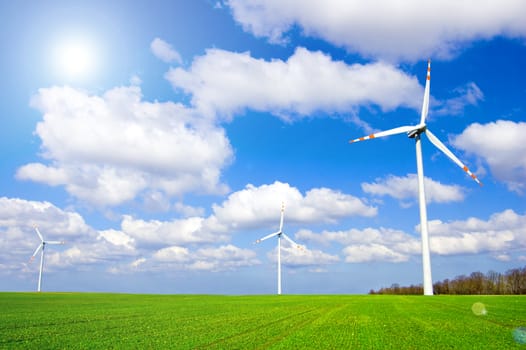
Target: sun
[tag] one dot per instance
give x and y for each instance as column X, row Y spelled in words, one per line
column 75, row 58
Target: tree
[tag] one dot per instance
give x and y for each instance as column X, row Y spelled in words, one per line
column 476, row 283
column 512, row 282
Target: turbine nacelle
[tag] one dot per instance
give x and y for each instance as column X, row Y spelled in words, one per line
column 417, row 131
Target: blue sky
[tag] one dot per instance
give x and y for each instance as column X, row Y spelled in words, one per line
column 159, row 139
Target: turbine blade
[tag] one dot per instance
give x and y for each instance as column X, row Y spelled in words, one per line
column 267, row 237
column 294, row 244
column 438, row 144
column 39, row 234
column 55, row 242
column 36, row 252
column 425, row 105
column 399, row 130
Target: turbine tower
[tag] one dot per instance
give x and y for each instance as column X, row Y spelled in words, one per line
column 415, row 133
column 280, row 234
column 41, row 248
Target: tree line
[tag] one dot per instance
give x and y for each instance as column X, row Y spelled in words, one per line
column 511, row 282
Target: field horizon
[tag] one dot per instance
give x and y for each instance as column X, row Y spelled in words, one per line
column 76, row 320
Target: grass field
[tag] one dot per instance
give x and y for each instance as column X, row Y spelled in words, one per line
column 105, row 321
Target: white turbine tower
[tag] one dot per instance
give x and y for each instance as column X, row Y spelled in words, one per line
column 41, row 248
column 280, row 234
column 414, row 132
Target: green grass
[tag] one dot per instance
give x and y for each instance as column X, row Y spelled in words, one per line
column 106, row 321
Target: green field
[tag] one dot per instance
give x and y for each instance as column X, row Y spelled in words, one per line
column 103, row 321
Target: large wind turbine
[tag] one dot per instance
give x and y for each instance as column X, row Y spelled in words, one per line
column 280, row 234
column 415, row 132
column 41, row 248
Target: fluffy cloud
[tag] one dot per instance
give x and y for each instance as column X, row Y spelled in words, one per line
column 164, row 51
column 108, row 149
column 225, row 257
column 154, row 245
column 501, row 145
column 108, row 248
column 53, row 222
column 468, row 95
column 249, row 208
column 117, row 238
column 367, row 245
column 256, row 206
column 383, row 28
column 294, row 257
column 404, row 188
column 84, row 245
column 223, row 82
column 372, row 252
column 172, row 254
column 192, row 230
column 354, row 236
column 501, row 234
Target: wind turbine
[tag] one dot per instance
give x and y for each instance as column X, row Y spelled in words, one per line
column 415, row 132
column 41, row 248
column 280, row 234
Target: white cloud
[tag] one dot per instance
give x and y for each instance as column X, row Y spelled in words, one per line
column 102, row 248
column 164, row 51
column 117, row 238
column 172, row 254
column 468, row 95
column 53, row 222
column 139, row 245
column 403, row 188
column 369, row 244
column 18, row 239
column 225, row 257
column 293, row 257
column 503, row 257
column 256, row 206
column 188, row 210
column 503, row 231
column 501, row 145
column 385, row 29
column 192, row 230
column 500, row 234
column 250, row 208
column 108, row 149
column 366, row 236
column 222, row 82
column 83, row 245
column 156, row 201
column 246, row 209
column 108, row 249
column 372, row 252
column 471, row 243
column 136, row 263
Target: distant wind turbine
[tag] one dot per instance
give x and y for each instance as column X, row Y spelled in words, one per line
column 280, row 234
column 414, row 132
column 41, row 248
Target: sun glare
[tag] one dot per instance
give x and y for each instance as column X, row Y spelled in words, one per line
column 75, row 59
